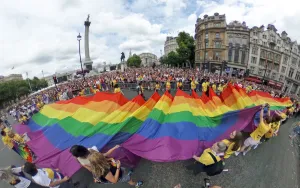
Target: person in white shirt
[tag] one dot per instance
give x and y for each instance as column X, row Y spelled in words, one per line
column 46, row 176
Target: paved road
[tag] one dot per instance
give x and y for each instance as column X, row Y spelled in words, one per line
column 273, row 164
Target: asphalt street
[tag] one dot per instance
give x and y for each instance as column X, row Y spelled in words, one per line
column 273, row 164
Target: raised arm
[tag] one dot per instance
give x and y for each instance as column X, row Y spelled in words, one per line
column 109, row 152
column 261, row 116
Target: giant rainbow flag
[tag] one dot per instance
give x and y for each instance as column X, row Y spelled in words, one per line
column 163, row 128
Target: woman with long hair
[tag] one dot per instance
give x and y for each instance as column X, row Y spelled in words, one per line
column 233, row 144
column 104, row 172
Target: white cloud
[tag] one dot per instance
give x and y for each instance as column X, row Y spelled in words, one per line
column 41, row 35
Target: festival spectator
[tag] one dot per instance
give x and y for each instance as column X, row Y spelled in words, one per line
column 81, row 153
column 47, row 177
column 254, row 139
column 15, row 177
column 105, row 172
column 208, row 159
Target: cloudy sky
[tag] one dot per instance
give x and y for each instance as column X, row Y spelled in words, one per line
column 41, row 35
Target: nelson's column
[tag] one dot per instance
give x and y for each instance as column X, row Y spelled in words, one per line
column 88, row 63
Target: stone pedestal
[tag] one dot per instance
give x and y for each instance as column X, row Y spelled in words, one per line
column 88, row 63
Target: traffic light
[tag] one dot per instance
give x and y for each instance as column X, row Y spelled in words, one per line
column 55, row 79
column 224, row 65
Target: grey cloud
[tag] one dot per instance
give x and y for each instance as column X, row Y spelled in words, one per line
column 42, row 59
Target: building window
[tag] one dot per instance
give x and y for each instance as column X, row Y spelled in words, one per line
column 261, row 62
column 243, row 56
column 263, row 54
column 206, row 44
column 285, row 60
column 283, row 69
column 294, row 61
column 206, row 26
column 237, row 53
column 206, row 35
column 216, row 56
column 217, row 44
column 291, row 72
column 281, row 78
column 206, row 54
column 260, row 71
column 278, row 41
column 265, row 36
column 230, row 52
column 299, row 63
column 254, row 34
column 217, row 35
column 297, row 77
column 254, row 50
column 273, row 75
column 253, row 60
column 252, row 69
column 276, row 67
column 217, row 24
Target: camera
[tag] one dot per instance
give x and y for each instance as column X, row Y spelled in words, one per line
column 206, row 183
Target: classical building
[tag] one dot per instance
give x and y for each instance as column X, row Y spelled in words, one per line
column 170, row 45
column 148, row 59
column 211, row 42
column 238, row 48
column 274, row 59
column 11, row 77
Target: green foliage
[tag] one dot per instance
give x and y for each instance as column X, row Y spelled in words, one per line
column 134, row 61
column 14, row 89
column 173, row 59
column 186, row 48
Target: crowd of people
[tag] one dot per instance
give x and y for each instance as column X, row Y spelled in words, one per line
column 104, row 168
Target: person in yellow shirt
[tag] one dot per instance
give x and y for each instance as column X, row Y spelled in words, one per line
column 263, row 127
column 194, row 84
column 157, row 87
column 117, row 89
column 205, row 86
column 220, row 88
column 214, row 87
column 206, row 159
column 233, row 144
column 168, row 86
column 248, row 88
column 179, row 85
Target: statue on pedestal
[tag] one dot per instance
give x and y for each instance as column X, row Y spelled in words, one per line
column 122, row 57
column 88, row 18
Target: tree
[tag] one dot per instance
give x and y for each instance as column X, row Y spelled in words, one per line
column 173, row 59
column 134, row 61
column 164, row 60
column 37, row 84
column 186, row 48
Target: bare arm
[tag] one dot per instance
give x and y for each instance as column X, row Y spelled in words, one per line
column 114, row 178
column 109, row 152
column 261, row 116
column 58, row 182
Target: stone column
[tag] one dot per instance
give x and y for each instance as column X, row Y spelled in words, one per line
column 88, row 63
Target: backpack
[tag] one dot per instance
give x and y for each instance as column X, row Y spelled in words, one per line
column 216, row 168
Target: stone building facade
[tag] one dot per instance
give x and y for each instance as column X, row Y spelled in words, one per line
column 11, row 77
column 238, row 48
column 170, row 45
column 211, row 42
column 148, row 59
column 274, row 59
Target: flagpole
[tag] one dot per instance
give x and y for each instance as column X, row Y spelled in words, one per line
column 28, row 81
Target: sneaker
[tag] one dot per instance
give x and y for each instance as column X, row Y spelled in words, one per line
column 130, row 172
column 237, row 153
column 245, row 152
column 255, row 146
column 138, row 184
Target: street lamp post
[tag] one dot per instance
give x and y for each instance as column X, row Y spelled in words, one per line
column 79, row 38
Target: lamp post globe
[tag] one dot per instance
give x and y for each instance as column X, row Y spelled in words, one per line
column 79, row 37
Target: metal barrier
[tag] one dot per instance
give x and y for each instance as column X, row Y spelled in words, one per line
column 151, row 86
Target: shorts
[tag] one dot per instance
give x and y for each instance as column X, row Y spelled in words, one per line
column 250, row 142
column 124, row 179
